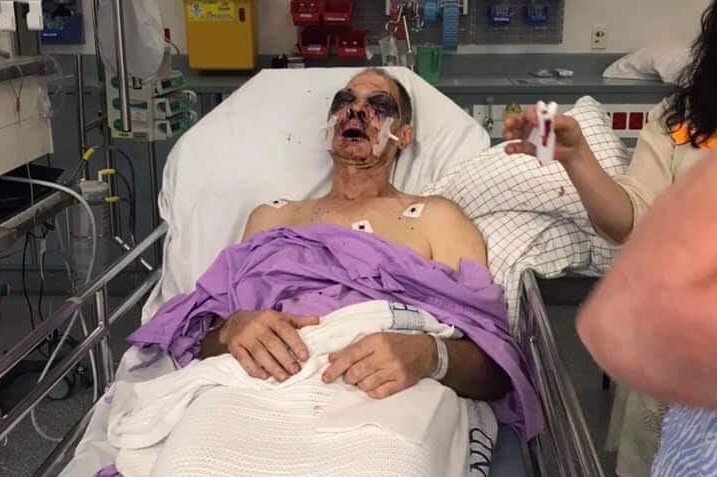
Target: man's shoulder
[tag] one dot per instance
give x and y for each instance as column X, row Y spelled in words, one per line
column 452, row 235
column 441, row 208
column 444, row 217
column 271, row 214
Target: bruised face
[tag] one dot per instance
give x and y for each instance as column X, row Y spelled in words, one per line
column 361, row 109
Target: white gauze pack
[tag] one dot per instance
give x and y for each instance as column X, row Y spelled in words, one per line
column 543, row 136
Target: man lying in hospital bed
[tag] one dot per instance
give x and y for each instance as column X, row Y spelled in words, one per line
column 410, row 321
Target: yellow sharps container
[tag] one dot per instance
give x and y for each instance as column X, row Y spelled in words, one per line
column 221, row 34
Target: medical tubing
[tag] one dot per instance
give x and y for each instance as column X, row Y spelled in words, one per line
column 83, row 324
column 126, row 157
column 90, row 268
column 93, row 362
column 132, row 185
column 91, row 151
column 80, row 199
column 52, row 358
column 86, row 156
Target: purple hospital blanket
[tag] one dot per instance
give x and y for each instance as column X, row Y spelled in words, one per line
column 319, row 269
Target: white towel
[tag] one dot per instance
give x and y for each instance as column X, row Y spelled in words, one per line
column 213, row 418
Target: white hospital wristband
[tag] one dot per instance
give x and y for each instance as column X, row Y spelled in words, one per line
column 442, row 362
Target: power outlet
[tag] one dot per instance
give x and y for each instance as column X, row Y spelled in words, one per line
column 599, row 37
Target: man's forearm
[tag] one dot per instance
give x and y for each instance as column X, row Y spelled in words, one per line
column 473, row 374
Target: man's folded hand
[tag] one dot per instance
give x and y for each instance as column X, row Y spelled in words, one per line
column 266, row 343
column 383, row 364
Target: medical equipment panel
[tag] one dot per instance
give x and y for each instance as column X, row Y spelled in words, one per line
column 480, row 22
column 160, row 108
column 64, row 23
column 535, row 14
column 500, row 15
column 518, row 22
column 221, row 34
column 174, row 104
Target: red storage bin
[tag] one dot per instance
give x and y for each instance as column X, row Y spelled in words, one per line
column 306, row 12
column 337, row 12
column 314, row 43
column 351, row 44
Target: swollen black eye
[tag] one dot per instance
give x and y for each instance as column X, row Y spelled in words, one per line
column 384, row 105
column 341, row 100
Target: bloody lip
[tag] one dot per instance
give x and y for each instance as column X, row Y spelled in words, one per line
column 353, row 129
column 354, row 133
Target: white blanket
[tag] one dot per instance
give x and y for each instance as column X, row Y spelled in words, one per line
column 212, row 419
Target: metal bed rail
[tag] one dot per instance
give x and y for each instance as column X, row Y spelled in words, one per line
column 566, row 442
column 566, row 437
column 16, row 226
column 98, row 337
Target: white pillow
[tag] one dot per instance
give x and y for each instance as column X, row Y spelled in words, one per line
column 264, row 142
column 665, row 63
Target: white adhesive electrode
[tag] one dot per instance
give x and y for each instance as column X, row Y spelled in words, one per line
column 383, row 136
column 543, row 136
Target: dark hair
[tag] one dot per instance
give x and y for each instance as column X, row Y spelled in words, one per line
column 404, row 99
column 695, row 101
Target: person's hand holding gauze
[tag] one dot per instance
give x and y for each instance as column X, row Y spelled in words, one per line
column 608, row 205
column 569, row 139
column 266, row 343
column 383, row 364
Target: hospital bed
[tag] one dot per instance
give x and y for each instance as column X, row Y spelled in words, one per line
column 223, row 161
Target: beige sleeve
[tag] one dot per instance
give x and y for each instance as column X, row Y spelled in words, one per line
column 650, row 171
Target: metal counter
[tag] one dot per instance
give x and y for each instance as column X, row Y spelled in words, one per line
column 472, row 79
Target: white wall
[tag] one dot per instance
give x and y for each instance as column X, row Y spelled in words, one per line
column 631, row 24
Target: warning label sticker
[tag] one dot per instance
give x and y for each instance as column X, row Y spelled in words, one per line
column 211, row 11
